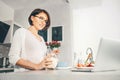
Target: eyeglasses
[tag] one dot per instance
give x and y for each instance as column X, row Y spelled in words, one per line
column 42, row 19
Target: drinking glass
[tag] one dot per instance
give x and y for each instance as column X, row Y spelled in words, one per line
column 53, row 58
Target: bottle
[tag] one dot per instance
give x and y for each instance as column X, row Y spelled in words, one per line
column 75, row 60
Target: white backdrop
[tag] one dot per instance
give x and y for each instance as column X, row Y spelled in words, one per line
column 93, row 22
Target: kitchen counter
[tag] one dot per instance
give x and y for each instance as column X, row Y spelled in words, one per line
column 60, row 75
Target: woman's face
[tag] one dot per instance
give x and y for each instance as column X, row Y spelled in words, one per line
column 39, row 20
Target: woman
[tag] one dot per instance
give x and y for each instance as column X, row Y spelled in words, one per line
column 28, row 49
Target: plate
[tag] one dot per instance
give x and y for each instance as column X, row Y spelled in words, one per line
column 84, row 67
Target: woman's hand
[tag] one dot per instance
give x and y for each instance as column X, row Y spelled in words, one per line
column 56, row 51
column 45, row 62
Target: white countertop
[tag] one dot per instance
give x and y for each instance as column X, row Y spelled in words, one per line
column 60, row 75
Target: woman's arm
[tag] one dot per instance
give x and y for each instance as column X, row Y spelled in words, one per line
column 15, row 49
column 29, row 65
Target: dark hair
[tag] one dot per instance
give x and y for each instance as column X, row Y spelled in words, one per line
column 37, row 11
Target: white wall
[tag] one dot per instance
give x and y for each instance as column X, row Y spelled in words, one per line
column 60, row 15
column 90, row 23
column 7, row 16
column 6, row 13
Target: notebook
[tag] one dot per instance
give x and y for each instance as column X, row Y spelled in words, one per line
column 108, row 57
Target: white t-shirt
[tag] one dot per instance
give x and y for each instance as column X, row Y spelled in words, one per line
column 25, row 45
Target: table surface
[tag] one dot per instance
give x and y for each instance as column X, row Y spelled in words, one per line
column 60, row 75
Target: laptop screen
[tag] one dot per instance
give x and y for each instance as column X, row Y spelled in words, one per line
column 108, row 56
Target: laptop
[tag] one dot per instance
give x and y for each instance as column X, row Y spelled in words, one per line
column 107, row 59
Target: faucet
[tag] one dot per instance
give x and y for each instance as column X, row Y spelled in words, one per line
column 89, row 52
